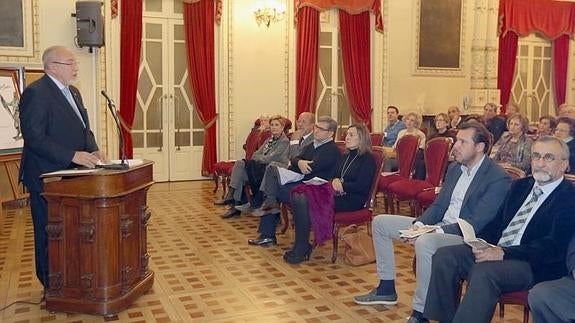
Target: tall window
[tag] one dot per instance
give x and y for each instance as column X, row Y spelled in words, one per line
column 532, row 83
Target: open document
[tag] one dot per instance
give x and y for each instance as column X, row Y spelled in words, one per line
column 71, row 172
column 288, row 176
column 469, row 236
column 414, row 233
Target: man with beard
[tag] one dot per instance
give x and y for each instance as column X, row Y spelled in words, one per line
column 530, row 235
column 473, row 190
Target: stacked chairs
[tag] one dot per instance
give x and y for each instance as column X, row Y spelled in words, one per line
column 436, row 156
column 363, row 215
column 406, row 149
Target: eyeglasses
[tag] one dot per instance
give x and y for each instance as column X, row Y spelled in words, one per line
column 546, row 158
column 321, row 128
column 65, row 63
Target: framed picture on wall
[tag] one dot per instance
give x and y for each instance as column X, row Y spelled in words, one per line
column 10, row 134
column 16, row 35
column 439, row 48
column 32, row 75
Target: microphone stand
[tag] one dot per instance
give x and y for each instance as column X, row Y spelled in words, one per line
column 123, row 165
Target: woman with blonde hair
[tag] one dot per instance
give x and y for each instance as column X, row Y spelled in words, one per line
column 514, row 146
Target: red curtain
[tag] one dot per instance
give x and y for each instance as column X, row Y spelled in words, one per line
column 307, row 69
column 506, row 66
column 355, row 55
column 199, row 27
column 560, row 62
column 131, row 43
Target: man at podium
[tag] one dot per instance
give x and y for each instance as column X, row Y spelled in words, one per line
column 57, row 136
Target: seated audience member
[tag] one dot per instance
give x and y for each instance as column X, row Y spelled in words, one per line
column 274, row 150
column 473, row 190
column 530, row 235
column 546, row 126
column 514, row 147
column 442, row 126
column 565, row 130
column 455, row 117
column 351, row 187
column 394, row 125
column 494, row 123
column 511, row 109
column 316, row 160
column 567, row 110
column 302, row 137
column 412, row 122
column 475, row 118
column 554, row 301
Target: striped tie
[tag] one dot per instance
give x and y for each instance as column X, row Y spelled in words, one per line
column 519, row 219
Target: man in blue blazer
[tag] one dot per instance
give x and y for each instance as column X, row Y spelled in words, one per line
column 473, row 190
column 530, row 235
column 56, row 134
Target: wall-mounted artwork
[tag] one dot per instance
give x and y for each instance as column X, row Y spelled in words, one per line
column 440, row 37
column 16, row 36
column 32, row 75
column 10, row 134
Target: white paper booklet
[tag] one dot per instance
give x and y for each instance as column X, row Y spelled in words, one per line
column 72, row 172
column 288, row 176
column 315, row 181
column 413, row 233
column 469, row 236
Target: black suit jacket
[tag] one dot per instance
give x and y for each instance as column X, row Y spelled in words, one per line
column 545, row 240
column 52, row 131
column 571, row 146
column 324, row 159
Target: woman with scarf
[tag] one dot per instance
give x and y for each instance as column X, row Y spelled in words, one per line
column 275, row 149
column 514, row 146
column 348, row 191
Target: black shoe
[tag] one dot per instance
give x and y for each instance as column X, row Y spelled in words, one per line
column 263, row 242
column 413, row 319
column 292, row 258
column 232, row 212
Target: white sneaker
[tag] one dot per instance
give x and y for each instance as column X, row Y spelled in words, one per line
column 244, row 208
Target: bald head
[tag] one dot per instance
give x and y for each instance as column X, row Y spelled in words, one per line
column 305, row 122
column 60, row 63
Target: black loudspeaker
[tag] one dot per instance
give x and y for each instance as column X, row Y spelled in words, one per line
column 89, row 24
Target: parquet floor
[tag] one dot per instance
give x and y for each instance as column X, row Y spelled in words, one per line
column 206, row 272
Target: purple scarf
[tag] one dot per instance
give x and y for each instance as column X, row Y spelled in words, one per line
column 321, row 206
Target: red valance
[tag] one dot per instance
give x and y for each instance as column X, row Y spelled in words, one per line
column 551, row 18
column 350, row 6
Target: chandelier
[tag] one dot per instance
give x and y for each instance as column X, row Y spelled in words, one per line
column 268, row 14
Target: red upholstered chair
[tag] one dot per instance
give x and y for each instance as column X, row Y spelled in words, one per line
column 406, row 149
column 515, row 298
column 376, row 138
column 436, row 156
column 514, row 172
column 223, row 169
column 363, row 215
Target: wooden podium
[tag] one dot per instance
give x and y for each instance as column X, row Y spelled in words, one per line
column 97, row 228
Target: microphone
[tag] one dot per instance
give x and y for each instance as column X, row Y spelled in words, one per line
column 123, row 164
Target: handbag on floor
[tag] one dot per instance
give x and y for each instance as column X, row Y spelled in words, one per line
column 358, row 246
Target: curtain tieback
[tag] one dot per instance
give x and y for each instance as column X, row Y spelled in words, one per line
column 211, row 121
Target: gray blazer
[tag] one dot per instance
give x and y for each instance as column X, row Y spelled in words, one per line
column 278, row 153
column 482, row 199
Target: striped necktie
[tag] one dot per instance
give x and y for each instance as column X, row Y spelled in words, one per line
column 68, row 95
column 519, row 219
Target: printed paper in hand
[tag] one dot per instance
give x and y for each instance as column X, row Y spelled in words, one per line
column 469, row 236
column 315, row 181
column 288, row 176
column 413, row 233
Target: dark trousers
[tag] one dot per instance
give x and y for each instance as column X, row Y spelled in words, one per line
column 486, row 281
column 269, row 222
column 302, row 223
column 39, row 208
column 553, row 301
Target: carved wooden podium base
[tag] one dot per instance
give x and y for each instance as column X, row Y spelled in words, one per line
column 97, row 245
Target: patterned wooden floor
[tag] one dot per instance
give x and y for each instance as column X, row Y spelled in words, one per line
column 206, row 272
